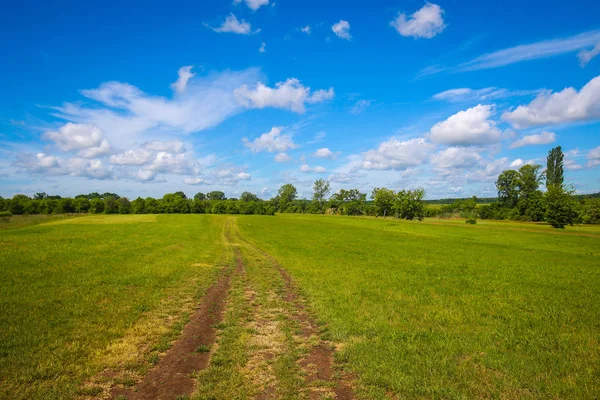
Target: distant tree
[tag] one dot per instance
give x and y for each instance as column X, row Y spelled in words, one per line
column 124, row 205
column 508, row 188
column 216, row 195
column 247, row 196
column 96, row 205
column 138, row 206
column 110, row 205
column 199, row 196
column 554, row 167
column 181, row 194
column 349, row 202
column 286, row 194
column 560, row 207
column 530, row 179
column 174, row 203
column 18, row 204
column 107, row 195
column 321, row 190
column 409, row 204
column 82, row 204
column 383, row 198
column 64, row 206
column 152, row 206
column 40, row 196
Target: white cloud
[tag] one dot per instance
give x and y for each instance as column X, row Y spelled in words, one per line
column 124, row 111
column 102, row 149
column 253, row 4
column 456, row 157
column 324, row 153
column 396, row 155
column 233, row 25
column 360, row 106
column 185, row 74
column 272, row 141
column 263, row 47
column 282, row 157
column 468, row 127
column 529, row 140
column 342, row 29
column 593, row 157
column 533, row 51
column 485, row 94
column 138, row 156
column 46, row 164
column 585, row 56
column 170, row 146
column 487, row 171
column 195, row 181
column 290, row 94
column 424, row 23
column 75, row 136
column 307, row 169
column 230, row 176
column 568, row 105
column 306, row 29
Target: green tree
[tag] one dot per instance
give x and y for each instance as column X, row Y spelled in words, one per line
column 216, row 195
column 349, row 202
column 286, row 194
column 138, row 206
column 247, row 196
column 508, row 188
column 152, row 206
column 554, row 168
column 82, row 205
column 96, row 205
column 409, row 204
column 110, row 205
column 530, row 179
column 124, row 205
column 560, row 207
column 321, row 190
column 199, row 196
column 383, row 198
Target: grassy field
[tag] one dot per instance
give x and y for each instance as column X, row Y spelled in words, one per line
column 83, row 294
column 446, row 310
column 431, row 309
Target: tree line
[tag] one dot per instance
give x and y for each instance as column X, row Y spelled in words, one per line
column 519, row 198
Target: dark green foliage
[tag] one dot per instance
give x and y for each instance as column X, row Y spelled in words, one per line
column 5, row 216
column 560, row 207
column 247, row 196
column 216, row 195
column 110, row 205
column 321, row 190
column 408, row 204
column 286, row 194
column 508, row 188
column 199, row 196
column 554, row 168
column 383, row 200
column 348, row 202
column 123, row 205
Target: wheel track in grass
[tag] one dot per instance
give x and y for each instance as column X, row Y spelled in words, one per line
column 317, row 365
column 285, row 355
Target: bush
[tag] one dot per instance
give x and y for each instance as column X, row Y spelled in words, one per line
column 471, row 221
column 5, row 216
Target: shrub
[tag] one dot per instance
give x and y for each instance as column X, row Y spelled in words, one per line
column 471, row 221
column 5, row 216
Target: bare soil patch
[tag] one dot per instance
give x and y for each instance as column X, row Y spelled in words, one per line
column 171, row 377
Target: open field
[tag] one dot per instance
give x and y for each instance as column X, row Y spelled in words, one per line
column 311, row 307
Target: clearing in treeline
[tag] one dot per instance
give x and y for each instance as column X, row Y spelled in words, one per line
column 297, row 306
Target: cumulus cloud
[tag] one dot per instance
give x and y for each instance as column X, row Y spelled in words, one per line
column 466, row 128
column 456, row 157
column 233, row 25
column 424, row 23
column 568, row 105
column 585, row 56
column 593, row 157
column 88, row 139
column 529, row 140
column 290, row 94
column 342, row 29
column 272, row 141
column 307, row 169
column 396, row 155
column 253, row 4
column 46, row 164
column 185, row 74
column 282, row 157
column 324, row 153
column 230, row 176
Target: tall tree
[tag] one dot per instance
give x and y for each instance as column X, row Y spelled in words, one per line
column 247, row 196
column 216, row 195
column 321, row 189
column 554, row 168
column 287, row 193
column 383, row 198
column 529, row 179
column 508, row 188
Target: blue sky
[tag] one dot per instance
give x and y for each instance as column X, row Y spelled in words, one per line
column 146, row 98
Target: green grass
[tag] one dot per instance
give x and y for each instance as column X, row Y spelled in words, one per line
column 80, row 295
column 441, row 309
column 21, row 221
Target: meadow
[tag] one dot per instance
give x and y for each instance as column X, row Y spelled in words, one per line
column 430, row 309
